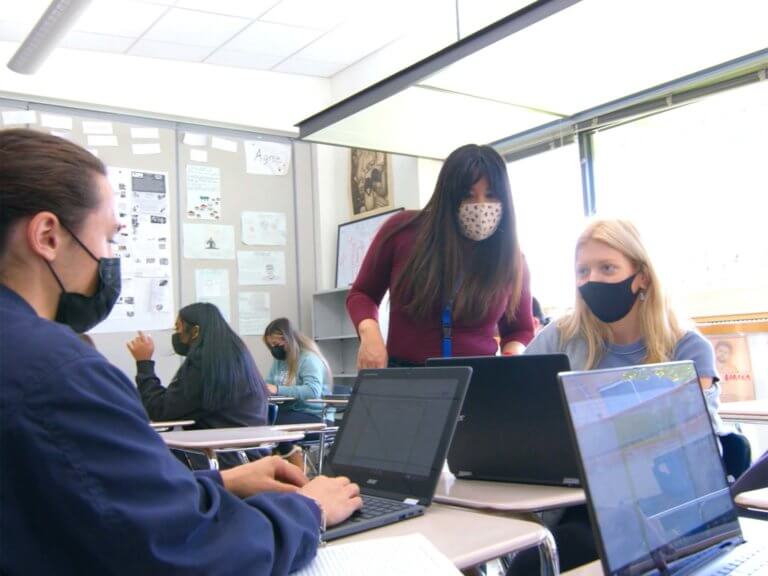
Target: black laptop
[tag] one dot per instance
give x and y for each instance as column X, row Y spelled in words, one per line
column 393, row 441
column 655, row 483
column 512, row 426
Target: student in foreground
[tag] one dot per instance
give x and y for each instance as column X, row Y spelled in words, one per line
column 86, row 486
column 454, row 271
column 217, row 385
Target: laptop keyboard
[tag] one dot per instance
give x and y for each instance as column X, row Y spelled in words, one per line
column 752, row 561
column 374, row 506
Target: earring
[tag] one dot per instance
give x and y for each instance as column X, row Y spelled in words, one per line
column 642, row 295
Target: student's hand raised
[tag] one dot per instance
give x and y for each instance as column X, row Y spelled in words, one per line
column 337, row 497
column 142, row 347
column 271, row 474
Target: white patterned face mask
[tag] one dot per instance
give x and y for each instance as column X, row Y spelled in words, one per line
column 479, row 220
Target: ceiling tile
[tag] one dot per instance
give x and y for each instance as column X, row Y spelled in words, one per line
column 195, row 28
column 98, row 42
column 311, row 13
column 14, row 31
column 244, row 8
column 275, row 39
column 297, row 65
column 26, row 11
column 119, row 17
column 243, row 60
column 154, row 49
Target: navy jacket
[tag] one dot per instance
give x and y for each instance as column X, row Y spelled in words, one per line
column 87, row 487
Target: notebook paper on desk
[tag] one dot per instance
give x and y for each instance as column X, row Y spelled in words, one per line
column 411, row 555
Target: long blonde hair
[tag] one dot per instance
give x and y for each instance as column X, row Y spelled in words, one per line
column 295, row 344
column 660, row 328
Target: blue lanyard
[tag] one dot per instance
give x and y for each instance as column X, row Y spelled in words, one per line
column 446, row 323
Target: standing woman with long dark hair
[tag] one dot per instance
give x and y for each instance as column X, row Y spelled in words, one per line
column 217, row 385
column 454, row 270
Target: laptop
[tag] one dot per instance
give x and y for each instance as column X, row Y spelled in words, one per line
column 393, row 441
column 656, row 488
column 512, row 427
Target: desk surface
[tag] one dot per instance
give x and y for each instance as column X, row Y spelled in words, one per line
column 171, row 423
column 745, row 411
column 328, row 401
column 505, row 496
column 468, row 538
column 213, row 438
column 755, row 499
column 280, row 399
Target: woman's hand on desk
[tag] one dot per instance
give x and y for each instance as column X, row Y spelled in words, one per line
column 271, row 474
column 271, row 388
column 142, row 347
column 337, row 497
column 373, row 350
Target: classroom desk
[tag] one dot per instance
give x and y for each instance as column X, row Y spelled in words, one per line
column 754, row 530
column 214, row 440
column 753, row 500
column 747, row 412
column 469, row 538
column 162, row 426
column 280, row 399
column 505, row 496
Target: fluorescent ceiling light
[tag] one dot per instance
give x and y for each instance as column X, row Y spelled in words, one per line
column 46, row 35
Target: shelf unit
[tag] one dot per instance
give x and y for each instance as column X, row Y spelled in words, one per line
column 335, row 334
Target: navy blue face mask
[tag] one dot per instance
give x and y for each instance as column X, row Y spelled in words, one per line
column 80, row 312
column 610, row 302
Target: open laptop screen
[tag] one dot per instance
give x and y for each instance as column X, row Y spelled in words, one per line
column 650, row 463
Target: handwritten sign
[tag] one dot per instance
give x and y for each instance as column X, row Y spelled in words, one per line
column 267, row 158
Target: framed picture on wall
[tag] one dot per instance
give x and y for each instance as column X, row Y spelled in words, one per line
column 352, row 243
column 734, row 366
column 369, row 182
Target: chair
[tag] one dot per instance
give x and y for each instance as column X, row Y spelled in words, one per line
column 737, row 454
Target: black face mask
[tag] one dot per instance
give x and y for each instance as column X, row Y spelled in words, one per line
column 181, row 348
column 278, row 352
column 610, row 302
column 80, row 312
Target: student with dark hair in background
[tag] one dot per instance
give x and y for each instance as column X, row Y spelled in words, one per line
column 86, row 485
column 454, row 271
column 217, row 385
column 539, row 320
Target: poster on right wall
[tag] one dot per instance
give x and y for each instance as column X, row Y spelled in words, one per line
column 734, row 367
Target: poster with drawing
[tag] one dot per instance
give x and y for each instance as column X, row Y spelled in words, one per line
column 144, row 247
column 260, row 267
column 369, row 182
column 734, row 367
column 209, row 241
column 352, row 243
column 264, row 228
column 203, row 192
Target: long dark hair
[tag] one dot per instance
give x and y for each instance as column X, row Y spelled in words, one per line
column 443, row 262
column 295, row 344
column 40, row 172
column 228, row 370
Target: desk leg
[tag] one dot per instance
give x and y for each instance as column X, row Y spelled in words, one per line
column 550, row 564
column 213, row 461
column 321, row 455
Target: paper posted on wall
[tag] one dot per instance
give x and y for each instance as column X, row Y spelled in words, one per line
column 264, row 228
column 203, row 192
column 261, row 267
column 212, row 285
column 253, row 312
column 209, row 241
column 268, row 158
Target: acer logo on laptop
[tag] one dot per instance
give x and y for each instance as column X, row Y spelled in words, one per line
column 372, row 481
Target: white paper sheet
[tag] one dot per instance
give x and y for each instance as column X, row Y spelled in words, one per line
column 97, row 127
column 11, row 117
column 198, row 155
column 260, row 267
column 209, row 241
column 144, row 149
column 160, row 295
column 223, row 144
column 264, row 228
column 56, row 121
column 203, row 192
column 194, row 139
column 212, row 285
column 101, row 140
column 254, row 312
column 141, row 133
column 411, row 555
column 269, row 158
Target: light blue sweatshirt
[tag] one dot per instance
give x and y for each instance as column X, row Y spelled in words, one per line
column 311, row 382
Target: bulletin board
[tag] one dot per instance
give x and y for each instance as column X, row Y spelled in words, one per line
column 208, row 214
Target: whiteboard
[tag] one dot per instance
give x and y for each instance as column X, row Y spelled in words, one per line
column 352, row 243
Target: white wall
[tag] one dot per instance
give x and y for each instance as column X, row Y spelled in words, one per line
column 232, row 97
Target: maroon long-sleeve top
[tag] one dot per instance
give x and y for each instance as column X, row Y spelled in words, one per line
column 413, row 340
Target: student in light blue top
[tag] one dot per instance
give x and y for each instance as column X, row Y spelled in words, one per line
column 300, row 371
column 621, row 315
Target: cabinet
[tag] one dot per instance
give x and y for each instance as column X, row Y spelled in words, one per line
column 335, row 334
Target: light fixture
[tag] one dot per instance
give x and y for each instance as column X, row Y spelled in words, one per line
column 46, row 35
